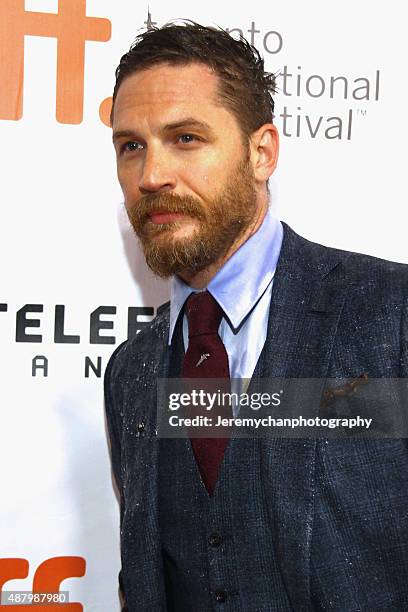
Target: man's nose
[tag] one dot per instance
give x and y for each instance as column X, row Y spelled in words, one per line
column 158, row 173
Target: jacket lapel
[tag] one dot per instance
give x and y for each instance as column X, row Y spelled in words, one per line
column 305, row 308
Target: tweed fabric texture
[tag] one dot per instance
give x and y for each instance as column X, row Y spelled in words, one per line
column 337, row 508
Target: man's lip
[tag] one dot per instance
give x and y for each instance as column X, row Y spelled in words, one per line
column 158, row 218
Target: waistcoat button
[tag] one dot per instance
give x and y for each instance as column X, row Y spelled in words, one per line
column 141, row 427
column 215, row 540
column 220, row 596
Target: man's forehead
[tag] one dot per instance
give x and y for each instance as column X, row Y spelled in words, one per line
column 177, row 90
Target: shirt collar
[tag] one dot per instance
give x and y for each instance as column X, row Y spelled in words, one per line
column 242, row 280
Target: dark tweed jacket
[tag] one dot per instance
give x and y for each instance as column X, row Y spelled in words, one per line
column 338, row 508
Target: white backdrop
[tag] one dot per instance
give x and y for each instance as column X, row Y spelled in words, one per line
column 65, row 240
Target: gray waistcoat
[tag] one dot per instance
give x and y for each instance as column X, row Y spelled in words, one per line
column 217, row 552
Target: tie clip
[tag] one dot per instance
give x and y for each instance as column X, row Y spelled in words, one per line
column 203, row 357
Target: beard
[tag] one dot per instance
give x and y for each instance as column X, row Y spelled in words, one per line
column 220, row 222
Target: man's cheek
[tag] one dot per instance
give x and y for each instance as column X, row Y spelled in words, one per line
column 127, row 180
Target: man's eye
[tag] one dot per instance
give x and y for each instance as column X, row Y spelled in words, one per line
column 129, row 147
column 186, row 138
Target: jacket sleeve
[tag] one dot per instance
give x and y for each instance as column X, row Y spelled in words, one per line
column 113, row 401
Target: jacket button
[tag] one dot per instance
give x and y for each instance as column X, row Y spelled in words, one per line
column 141, row 427
column 220, row 596
column 215, row 540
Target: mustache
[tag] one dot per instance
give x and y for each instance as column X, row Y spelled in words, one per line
column 165, row 203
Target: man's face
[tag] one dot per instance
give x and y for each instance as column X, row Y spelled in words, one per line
column 183, row 167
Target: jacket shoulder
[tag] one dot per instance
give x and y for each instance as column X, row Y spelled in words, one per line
column 133, row 352
column 319, row 260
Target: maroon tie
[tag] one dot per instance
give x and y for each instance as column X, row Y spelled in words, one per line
column 206, row 357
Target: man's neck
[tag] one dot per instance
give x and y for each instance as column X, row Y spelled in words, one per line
column 199, row 280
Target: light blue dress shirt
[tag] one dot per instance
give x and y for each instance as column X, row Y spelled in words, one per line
column 243, row 288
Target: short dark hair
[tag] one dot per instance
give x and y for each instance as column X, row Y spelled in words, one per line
column 245, row 88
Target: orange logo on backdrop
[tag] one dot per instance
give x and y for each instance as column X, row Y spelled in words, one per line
column 71, row 27
column 47, row 579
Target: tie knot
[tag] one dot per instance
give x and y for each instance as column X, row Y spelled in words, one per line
column 204, row 314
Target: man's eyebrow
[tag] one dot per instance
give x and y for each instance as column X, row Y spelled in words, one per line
column 189, row 122
column 123, row 134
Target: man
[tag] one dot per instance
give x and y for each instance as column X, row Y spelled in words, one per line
column 257, row 524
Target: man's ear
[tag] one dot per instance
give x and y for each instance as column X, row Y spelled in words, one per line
column 264, row 151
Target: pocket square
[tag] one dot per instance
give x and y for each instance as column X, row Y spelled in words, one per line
column 330, row 395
